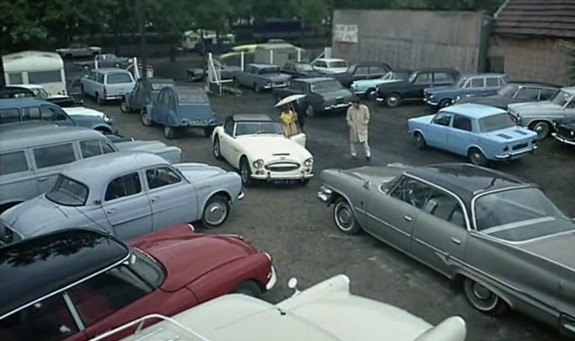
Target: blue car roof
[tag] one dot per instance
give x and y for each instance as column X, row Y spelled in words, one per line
column 473, row 110
column 23, row 102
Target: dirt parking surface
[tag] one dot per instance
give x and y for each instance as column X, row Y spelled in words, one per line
column 297, row 230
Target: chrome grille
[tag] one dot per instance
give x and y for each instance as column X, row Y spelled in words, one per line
column 283, row 166
column 520, row 146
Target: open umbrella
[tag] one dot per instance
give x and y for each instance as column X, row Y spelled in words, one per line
column 289, row 99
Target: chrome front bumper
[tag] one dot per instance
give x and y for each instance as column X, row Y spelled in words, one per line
column 273, row 279
column 564, row 140
column 325, row 195
column 336, row 106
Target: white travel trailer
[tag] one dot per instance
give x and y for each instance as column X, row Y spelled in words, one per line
column 36, row 67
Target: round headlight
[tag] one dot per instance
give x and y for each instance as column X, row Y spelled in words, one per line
column 258, row 163
column 572, row 133
column 308, row 162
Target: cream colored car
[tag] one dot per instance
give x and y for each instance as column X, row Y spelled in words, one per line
column 326, row 311
column 257, row 147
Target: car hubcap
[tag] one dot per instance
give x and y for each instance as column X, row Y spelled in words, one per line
column 215, row 213
column 124, row 107
column 392, row 101
column 217, row 148
column 542, row 130
column 344, row 217
column 146, row 118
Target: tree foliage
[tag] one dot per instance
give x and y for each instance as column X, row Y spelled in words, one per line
column 33, row 23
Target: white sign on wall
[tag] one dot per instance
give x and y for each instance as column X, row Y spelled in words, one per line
column 345, row 33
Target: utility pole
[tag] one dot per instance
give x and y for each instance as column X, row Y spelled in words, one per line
column 142, row 28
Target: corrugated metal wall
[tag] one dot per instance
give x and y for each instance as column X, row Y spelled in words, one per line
column 413, row 39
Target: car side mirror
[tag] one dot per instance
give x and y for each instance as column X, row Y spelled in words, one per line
column 367, row 184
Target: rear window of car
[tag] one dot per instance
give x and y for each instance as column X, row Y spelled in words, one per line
column 14, row 162
column 119, row 78
column 495, row 122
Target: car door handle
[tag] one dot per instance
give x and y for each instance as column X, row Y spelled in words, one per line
column 455, row 241
column 111, row 210
column 407, row 218
column 42, row 179
column 154, row 199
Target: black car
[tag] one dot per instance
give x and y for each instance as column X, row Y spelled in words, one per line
column 321, row 94
column 393, row 94
column 362, row 70
column 565, row 131
column 515, row 93
column 300, row 70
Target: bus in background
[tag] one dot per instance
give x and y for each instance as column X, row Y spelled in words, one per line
column 36, row 67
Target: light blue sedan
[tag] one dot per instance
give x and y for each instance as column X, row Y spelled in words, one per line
column 479, row 132
column 368, row 87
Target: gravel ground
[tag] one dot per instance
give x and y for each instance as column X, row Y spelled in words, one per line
column 297, row 230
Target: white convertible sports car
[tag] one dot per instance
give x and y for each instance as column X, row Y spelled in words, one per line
column 256, row 145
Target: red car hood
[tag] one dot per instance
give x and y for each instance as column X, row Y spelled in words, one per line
column 187, row 256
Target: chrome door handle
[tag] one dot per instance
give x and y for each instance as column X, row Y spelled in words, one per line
column 42, row 179
column 111, row 210
column 455, row 241
column 408, row 218
column 154, row 199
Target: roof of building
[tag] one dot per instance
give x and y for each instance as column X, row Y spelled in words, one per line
column 38, row 267
column 549, row 18
column 466, row 180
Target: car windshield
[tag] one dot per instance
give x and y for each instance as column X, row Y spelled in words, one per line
column 303, row 67
column 255, row 127
column 519, row 214
column 147, row 268
column 508, row 91
column 326, row 86
column 192, row 97
column 68, row 192
column 338, row 63
column 562, row 98
column 495, row 122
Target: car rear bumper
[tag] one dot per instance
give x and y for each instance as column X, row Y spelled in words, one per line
column 197, row 124
column 325, row 195
column 516, row 154
column 563, row 139
column 114, row 97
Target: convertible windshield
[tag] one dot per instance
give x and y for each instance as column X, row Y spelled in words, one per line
column 147, row 268
column 508, row 91
column 562, row 98
column 519, row 214
column 254, row 127
column 326, row 86
column 68, row 192
column 495, row 122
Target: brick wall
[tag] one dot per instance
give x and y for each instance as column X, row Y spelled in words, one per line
column 543, row 60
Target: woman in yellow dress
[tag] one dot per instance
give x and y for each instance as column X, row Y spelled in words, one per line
column 289, row 121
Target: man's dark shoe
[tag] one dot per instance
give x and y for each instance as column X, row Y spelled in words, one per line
column 368, row 158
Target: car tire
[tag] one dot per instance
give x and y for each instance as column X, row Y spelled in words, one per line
column 145, row 118
column 483, row 299
column 420, row 141
column 477, row 158
column 124, row 107
column 248, row 288
column 344, row 218
column 217, row 150
column 258, row 88
column 216, row 211
column 445, row 102
column 393, row 100
column 309, row 111
column 99, row 99
column 542, row 128
column 169, row 132
column 246, row 172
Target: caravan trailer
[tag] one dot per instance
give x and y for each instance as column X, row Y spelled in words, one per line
column 36, row 67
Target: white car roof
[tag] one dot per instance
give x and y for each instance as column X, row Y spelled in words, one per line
column 331, row 59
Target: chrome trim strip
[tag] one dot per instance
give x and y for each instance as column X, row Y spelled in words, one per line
column 383, row 222
column 73, row 311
